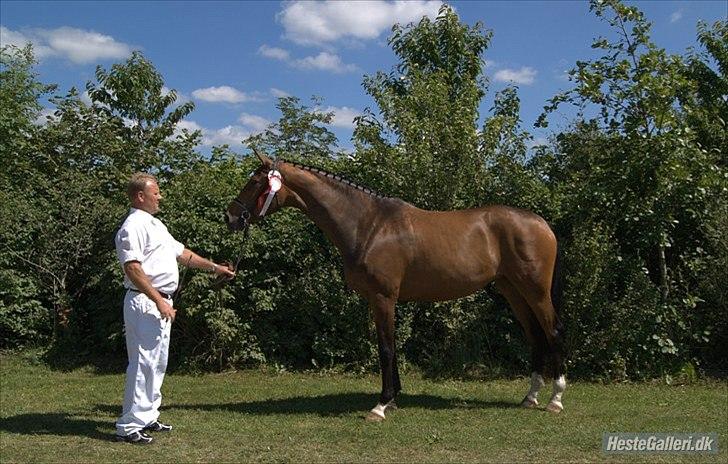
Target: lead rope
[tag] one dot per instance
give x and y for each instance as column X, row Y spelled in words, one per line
column 246, row 233
column 219, row 281
column 177, row 296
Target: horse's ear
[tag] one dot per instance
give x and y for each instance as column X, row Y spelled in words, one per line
column 263, row 158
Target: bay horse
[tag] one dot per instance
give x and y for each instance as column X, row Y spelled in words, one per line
column 393, row 251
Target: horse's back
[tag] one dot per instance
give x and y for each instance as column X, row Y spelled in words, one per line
column 439, row 255
column 455, row 253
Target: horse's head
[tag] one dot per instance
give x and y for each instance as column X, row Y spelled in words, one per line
column 261, row 195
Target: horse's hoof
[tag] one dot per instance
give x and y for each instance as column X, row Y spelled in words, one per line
column 528, row 403
column 554, row 407
column 373, row 417
column 391, row 406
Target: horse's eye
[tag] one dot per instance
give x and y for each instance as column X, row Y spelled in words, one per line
column 252, row 173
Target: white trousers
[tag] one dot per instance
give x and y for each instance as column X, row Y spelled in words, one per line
column 147, row 345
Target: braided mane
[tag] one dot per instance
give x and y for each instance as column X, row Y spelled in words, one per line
column 335, row 177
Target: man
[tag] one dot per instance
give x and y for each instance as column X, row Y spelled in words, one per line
column 148, row 254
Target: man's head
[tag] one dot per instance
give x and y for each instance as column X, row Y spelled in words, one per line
column 143, row 192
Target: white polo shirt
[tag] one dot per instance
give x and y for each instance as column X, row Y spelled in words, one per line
column 144, row 238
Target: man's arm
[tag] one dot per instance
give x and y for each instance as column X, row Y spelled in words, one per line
column 134, row 271
column 192, row 259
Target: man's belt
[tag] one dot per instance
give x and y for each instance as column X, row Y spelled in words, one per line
column 165, row 295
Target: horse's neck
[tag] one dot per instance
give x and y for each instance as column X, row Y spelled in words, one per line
column 337, row 210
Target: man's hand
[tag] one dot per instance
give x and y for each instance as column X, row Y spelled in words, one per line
column 133, row 269
column 166, row 310
column 225, row 271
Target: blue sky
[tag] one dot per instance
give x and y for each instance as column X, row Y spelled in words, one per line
column 233, row 59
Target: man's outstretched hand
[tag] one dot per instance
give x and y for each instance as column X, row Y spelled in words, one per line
column 225, row 272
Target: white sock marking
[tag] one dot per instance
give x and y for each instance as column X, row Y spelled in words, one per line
column 379, row 410
column 559, row 387
column 536, row 384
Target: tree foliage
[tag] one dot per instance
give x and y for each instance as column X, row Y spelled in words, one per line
column 424, row 146
column 642, row 169
column 635, row 188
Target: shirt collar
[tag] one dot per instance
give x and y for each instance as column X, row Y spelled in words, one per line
column 140, row 212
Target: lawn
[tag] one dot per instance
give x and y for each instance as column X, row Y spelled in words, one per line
column 257, row 416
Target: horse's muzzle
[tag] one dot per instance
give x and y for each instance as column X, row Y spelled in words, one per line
column 236, row 223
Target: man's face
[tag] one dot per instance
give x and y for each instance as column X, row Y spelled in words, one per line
column 149, row 198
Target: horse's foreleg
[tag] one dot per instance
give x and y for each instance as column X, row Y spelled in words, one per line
column 382, row 309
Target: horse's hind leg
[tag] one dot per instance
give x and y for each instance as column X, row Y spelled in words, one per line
column 539, row 299
column 534, row 336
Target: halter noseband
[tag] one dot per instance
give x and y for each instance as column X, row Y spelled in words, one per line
column 244, row 218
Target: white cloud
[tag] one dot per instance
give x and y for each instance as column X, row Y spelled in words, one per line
column 319, row 23
column 42, row 118
column 181, row 98
column 77, row 45
column 223, row 94
column 191, row 126
column 255, row 123
column 86, row 98
column 20, row 40
column 324, row 61
column 274, row 52
column 343, row 116
column 563, row 76
column 537, row 142
column 523, row 76
column 278, row 93
column 232, row 135
column 676, row 16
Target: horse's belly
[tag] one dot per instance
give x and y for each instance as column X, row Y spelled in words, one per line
column 440, row 286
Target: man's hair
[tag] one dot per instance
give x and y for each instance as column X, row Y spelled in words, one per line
column 138, row 182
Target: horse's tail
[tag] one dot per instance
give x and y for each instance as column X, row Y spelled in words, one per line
column 557, row 290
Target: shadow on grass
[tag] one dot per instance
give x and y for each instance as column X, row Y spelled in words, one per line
column 332, row 405
column 56, row 424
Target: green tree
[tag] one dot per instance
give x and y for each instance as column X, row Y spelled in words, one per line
column 20, row 92
column 70, row 188
column 425, row 147
column 510, row 177
column 703, row 101
column 134, row 93
column 23, row 317
column 706, row 112
column 20, row 116
column 299, row 134
column 656, row 174
column 638, row 170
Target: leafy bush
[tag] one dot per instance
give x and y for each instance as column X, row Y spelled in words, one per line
column 639, row 204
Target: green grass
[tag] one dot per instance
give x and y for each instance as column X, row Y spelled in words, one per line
column 53, row 416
